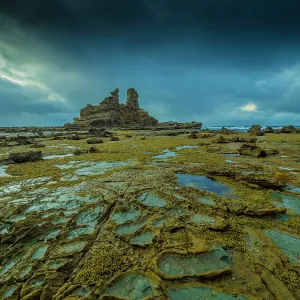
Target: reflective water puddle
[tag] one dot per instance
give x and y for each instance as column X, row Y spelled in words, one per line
column 57, row 156
column 3, row 172
column 288, row 201
column 150, row 199
column 121, row 217
column 186, row 147
column 204, row 183
column 166, row 154
column 131, row 228
column 198, row 292
column 143, row 239
column 93, row 168
column 173, row 265
column 132, row 286
column 289, row 244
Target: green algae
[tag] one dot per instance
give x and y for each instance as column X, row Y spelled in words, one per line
column 103, row 263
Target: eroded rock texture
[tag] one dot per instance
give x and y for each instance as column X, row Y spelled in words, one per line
column 110, row 113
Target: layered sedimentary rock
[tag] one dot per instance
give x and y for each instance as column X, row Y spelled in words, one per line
column 106, row 114
column 110, row 113
column 132, row 115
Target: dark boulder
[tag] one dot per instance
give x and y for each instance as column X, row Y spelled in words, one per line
column 289, row 129
column 254, row 129
column 221, row 140
column 25, row 156
column 94, row 141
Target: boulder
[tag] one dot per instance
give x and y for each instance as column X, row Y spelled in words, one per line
column 94, row 141
column 289, row 129
column 193, row 135
column 205, row 135
column 260, row 133
column 225, row 131
column 254, row 129
column 38, row 146
column 25, row 156
column 253, row 150
column 268, row 130
column 114, row 139
column 93, row 150
column 221, row 140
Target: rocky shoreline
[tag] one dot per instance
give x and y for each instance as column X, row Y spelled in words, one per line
column 169, row 212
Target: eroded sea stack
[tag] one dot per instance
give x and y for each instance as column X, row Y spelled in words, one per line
column 110, row 113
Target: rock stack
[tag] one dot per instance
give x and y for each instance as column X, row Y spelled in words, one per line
column 110, row 113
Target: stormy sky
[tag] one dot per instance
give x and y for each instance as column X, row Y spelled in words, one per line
column 221, row 62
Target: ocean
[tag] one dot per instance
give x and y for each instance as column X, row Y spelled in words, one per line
column 238, row 128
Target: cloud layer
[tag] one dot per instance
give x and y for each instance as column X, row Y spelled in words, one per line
column 218, row 62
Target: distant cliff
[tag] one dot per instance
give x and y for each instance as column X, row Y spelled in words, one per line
column 110, row 113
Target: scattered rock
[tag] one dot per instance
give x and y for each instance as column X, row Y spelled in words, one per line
column 221, row 140
column 193, row 135
column 252, row 150
column 93, row 150
column 38, row 146
column 205, row 135
column 25, row 156
column 289, row 129
column 268, row 130
column 254, row 129
column 94, row 141
column 225, row 131
column 260, row 133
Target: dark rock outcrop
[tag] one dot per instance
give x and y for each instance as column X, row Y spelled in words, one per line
column 289, row 129
column 254, row 129
column 25, row 156
column 110, row 113
column 94, row 141
column 253, row 150
column 221, row 140
column 268, row 130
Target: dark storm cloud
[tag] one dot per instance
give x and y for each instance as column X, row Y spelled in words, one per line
column 223, row 16
column 188, row 59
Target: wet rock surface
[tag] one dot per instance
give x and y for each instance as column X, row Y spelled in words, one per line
column 159, row 218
